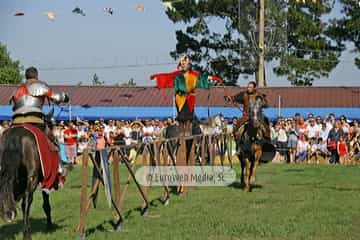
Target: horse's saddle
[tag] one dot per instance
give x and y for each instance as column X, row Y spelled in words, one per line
column 49, row 157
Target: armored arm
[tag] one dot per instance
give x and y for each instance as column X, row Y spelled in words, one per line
column 60, row 98
column 40, row 89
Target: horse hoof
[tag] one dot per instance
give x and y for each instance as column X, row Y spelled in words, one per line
column 145, row 212
column 119, row 226
column 27, row 237
column 166, row 202
column 82, row 237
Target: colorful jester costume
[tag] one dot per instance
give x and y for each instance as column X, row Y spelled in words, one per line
column 184, row 82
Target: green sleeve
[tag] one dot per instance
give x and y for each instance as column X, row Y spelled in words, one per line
column 203, row 82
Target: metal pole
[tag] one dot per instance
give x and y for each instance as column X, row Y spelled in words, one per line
column 70, row 117
column 279, row 106
column 261, row 47
column 239, row 39
column 174, row 109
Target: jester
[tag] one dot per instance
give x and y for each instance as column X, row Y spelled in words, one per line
column 185, row 80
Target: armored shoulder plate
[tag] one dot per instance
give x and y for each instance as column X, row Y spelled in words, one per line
column 38, row 89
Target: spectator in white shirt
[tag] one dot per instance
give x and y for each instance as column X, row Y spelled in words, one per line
column 310, row 117
column 322, row 148
column 324, row 132
column 318, row 122
column 109, row 128
column 313, row 147
column 282, row 139
column 158, row 127
column 312, row 129
column 126, row 129
column 147, row 131
column 303, row 148
column 330, row 122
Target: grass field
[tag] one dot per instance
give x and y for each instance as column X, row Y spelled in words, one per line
column 288, row 202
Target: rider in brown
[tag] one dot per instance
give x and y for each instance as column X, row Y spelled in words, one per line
column 244, row 98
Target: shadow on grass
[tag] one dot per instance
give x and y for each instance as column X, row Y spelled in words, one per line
column 101, row 228
column 307, row 184
column 9, row 231
column 294, row 170
column 239, row 185
column 77, row 186
column 339, row 189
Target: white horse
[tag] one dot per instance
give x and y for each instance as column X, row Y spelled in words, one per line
column 216, row 130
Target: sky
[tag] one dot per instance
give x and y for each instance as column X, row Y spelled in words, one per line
column 122, row 40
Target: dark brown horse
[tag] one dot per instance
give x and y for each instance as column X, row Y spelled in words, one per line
column 251, row 144
column 20, row 174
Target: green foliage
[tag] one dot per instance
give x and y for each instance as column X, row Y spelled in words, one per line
column 130, row 83
column 305, row 53
column 212, row 52
column 311, row 54
column 347, row 28
column 9, row 69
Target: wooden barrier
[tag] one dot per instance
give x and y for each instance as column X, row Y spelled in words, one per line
column 156, row 153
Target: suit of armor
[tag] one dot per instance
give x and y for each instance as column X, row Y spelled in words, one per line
column 29, row 99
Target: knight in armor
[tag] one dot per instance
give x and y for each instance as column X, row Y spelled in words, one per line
column 244, row 98
column 29, row 99
column 28, row 102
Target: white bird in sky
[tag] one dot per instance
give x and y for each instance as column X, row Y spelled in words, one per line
column 51, row 15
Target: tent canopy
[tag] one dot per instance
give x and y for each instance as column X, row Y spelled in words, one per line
column 127, row 112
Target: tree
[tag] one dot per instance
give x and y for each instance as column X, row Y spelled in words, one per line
column 347, row 28
column 96, row 81
column 10, row 71
column 130, row 83
column 304, row 52
column 222, row 54
column 311, row 54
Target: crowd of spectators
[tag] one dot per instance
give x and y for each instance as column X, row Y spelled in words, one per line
column 297, row 139
column 335, row 140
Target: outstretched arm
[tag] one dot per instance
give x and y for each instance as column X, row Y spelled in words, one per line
column 58, row 97
column 164, row 80
column 238, row 98
column 41, row 89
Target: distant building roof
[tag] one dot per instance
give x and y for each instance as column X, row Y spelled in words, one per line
column 150, row 96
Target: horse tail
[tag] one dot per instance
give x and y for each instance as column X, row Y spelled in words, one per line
column 10, row 160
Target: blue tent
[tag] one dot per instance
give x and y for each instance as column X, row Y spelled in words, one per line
column 128, row 112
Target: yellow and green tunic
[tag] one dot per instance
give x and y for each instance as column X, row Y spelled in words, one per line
column 184, row 84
